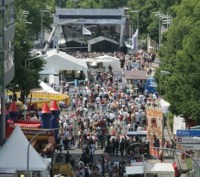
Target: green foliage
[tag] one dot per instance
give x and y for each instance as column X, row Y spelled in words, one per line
column 34, row 8
column 26, row 78
column 107, row 4
column 149, row 23
column 170, row 118
column 180, row 55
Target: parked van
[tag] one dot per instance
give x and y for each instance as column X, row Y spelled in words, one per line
column 150, row 86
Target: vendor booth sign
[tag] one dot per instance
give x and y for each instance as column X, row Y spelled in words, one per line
column 30, row 132
column 155, row 125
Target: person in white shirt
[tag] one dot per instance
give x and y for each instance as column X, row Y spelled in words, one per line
column 98, row 101
column 34, row 118
column 62, row 120
column 85, row 110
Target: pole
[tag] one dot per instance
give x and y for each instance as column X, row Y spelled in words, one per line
column 3, row 119
column 29, row 144
column 160, row 24
column 41, row 27
column 25, row 106
column 138, row 28
column 176, row 150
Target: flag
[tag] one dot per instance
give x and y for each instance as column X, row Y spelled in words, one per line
column 135, row 40
column 85, row 31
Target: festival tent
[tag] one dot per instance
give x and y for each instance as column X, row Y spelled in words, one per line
column 106, row 60
column 57, row 61
column 47, row 88
column 160, row 169
column 136, row 168
column 133, row 170
column 47, row 92
column 14, row 154
column 115, row 62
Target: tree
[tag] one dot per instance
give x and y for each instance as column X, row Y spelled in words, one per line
column 26, row 78
column 149, row 23
column 180, row 55
column 34, row 9
column 95, row 3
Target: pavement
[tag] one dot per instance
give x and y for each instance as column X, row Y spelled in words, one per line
column 168, row 135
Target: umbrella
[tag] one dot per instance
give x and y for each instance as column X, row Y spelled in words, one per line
column 80, row 163
column 133, row 145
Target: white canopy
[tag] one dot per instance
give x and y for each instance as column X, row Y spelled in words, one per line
column 115, row 62
column 131, row 170
column 48, row 72
column 47, row 88
column 107, row 60
column 13, row 154
column 161, row 168
column 57, row 60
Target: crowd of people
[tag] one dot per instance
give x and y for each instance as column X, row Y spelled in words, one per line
column 102, row 111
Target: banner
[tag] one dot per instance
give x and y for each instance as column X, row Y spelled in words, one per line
column 85, row 31
column 154, row 126
column 135, row 40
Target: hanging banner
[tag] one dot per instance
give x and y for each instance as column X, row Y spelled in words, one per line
column 155, row 126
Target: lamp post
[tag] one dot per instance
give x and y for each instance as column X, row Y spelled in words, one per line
column 138, row 19
column 194, row 160
column 29, row 144
column 25, row 98
column 163, row 20
column 41, row 25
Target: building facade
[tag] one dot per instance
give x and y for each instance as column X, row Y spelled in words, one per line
column 6, row 55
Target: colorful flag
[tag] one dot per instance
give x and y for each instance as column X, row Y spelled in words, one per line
column 135, row 40
column 85, row 31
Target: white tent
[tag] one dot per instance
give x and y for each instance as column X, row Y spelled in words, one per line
column 13, row 154
column 47, row 88
column 57, row 60
column 114, row 62
column 107, row 60
column 131, row 170
column 164, row 169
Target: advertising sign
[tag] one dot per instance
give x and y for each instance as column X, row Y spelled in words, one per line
column 155, row 125
column 188, row 146
column 190, row 133
column 183, row 140
column 186, row 139
column 30, row 132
